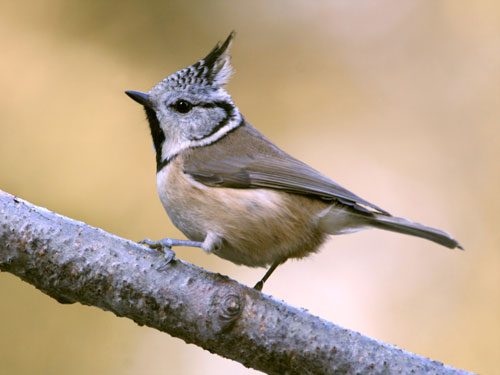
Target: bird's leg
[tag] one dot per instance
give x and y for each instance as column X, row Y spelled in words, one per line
column 271, row 269
column 213, row 242
column 165, row 246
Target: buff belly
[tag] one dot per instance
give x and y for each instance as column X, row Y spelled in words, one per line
column 257, row 226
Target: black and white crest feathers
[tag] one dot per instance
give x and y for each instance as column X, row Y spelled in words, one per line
column 213, row 71
column 216, row 65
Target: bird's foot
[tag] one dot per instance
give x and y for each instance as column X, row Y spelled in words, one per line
column 259, row 286
column 271, row 269
column 165, row 246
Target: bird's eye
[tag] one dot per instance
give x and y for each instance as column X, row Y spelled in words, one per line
column 182, row 106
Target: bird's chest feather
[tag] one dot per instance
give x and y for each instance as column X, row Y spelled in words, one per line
column 196, row 209
column 257, row 225
column 178, row 196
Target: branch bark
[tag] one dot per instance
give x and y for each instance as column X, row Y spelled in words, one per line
column 73, row 262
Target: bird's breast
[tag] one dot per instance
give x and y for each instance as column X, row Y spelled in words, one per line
column 258, row 226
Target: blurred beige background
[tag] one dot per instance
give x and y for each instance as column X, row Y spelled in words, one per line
column 396, row 100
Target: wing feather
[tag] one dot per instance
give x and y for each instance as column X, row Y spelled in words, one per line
column 246, row 159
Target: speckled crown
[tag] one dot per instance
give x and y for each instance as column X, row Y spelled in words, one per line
column 213, row 71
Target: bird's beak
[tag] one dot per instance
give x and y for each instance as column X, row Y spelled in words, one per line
column 139, row 97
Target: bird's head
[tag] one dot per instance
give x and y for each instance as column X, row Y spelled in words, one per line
column 191, row 108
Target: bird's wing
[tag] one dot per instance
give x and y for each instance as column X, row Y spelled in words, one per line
column 246, row 159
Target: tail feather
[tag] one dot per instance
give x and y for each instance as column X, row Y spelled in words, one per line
column 405, row 226
column 340, row 220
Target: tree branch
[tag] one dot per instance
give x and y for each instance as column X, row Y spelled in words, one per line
column 74, row 262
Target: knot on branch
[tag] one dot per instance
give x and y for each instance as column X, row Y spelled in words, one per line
column 226, row 307
column 230, row 308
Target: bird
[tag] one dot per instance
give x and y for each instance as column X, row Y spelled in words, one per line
column 233, row 192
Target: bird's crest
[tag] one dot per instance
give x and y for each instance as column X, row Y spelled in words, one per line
column 213, row 71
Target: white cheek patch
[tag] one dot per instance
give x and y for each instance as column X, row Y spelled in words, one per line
column 202, row 122
column 174, row 143
column 232, row 124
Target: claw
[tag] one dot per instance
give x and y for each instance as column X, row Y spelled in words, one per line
column 162, row 246
column 271, row 269
column 165, row 246
column 151, row 244
column 169, row 256
column 259, row 286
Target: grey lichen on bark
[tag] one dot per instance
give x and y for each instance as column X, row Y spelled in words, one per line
column 74, row 262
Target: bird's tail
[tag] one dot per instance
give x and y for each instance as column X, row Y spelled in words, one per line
column 405, row 226
column 339, row 221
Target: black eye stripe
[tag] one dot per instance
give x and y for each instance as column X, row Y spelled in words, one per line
column 207, row 105
column 224, row 105
column 227, row 107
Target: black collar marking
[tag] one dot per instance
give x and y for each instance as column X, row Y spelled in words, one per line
column 228, row 109
column 162, row 164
